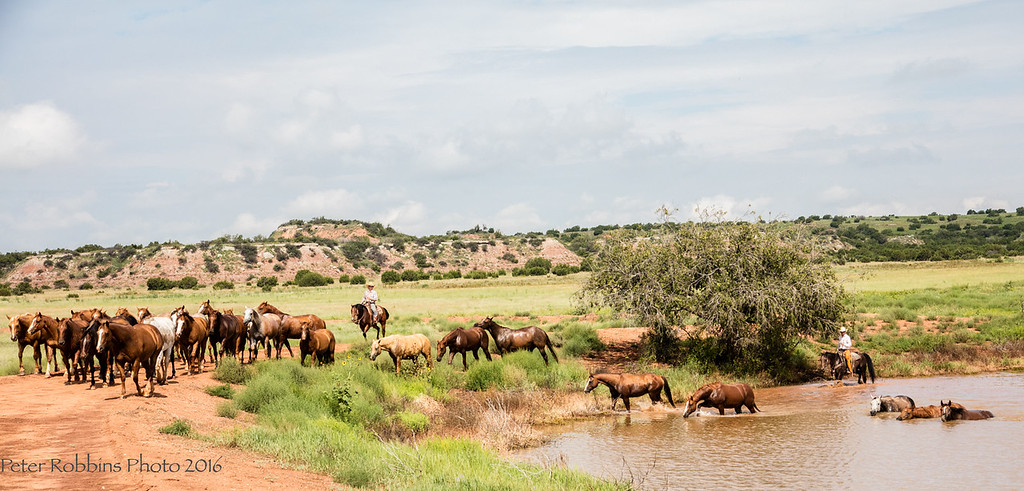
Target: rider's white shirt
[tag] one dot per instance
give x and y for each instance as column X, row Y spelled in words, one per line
column 845, row 342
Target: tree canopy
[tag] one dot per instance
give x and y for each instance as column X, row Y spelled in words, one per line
column 752, row 288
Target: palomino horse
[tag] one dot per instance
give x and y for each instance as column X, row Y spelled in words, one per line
column 19, row 333
column 291, row 325
column 318, row 343
column 69, row 341
column 166, row 326
column 137, row 345
column 626, row 385
column 462, row 340
column 191, row 333
column 527, row 338
column 721, row 396
column 225, row 329
column 262, row 328
column 890, row 404
column 951, row 411
column 363, row 316
column 834, row 364
column 46, row 328
column 401, row 348
column 919, row 412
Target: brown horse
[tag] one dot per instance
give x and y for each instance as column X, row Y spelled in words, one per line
column 127, row 316
column 363, row 316
column 722, row 396
column 19, row 333
column 224, row 329
column 318, row 343
column 69, row 340
column 527, row 338
column 626, row 385
column 46, row 328
column 951, row 411
column 462, row 340
column 920, row 412
column 291, row 325
column 137, row 345
column 262, row 328
column 191, row 334
column 402, row 348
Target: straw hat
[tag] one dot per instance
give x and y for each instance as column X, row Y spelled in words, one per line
column 842, row 329
column 369, row 283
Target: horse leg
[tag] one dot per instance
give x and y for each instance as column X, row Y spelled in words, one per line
column 721, row 410
column 67, row 369
column 625, row 400
column 465, row 366
column 739, row 409
column 543, row 354
column 398, row 363
column 289, row 346
column 38, row 357
column 615, row 399
column 136, row 366
column 21, row 364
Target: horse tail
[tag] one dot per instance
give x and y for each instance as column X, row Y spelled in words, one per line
column 668, row 391
column 547, row 341
column 871, row 366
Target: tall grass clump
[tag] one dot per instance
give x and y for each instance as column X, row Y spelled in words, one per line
column 178, row 427
column 231, row 371
column 524, row 370
column 579, row 339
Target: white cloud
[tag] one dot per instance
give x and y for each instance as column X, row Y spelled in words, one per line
column 247, row 224
column 349, row 138
column 409, row 217
column 328, row 203
column 518, row 217
column 836, row 194
column 38, row 134
column 236, row 171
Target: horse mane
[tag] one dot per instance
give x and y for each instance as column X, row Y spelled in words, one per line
column 709, row 385
column 605, row 371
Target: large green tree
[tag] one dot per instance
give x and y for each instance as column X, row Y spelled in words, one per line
column 754, row 288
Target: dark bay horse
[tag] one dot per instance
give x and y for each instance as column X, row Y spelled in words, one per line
column 138, row 346
column 462, row 340
column 291, row 325
column 69, row 341
column 890, row 404
column 721, row 396
column 19, row 333
column 225, row 329
column 46, row 328
column 951, row 411
column 363, row 316
column 88, row 354
column 318, row 343
column 528, row 338
column 626, row 385
column 191, row 334
column 835, row 365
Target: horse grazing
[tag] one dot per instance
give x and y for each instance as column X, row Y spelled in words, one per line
column 890, row 404
column 225, row 329
column 262, row 328
column 318, row 343
column 363, row 316
column 628, row 385
column 45, row 328
column 951, row 411
column 721, row 396
column 462, row 340
column 832, row 363
column 69, row 341
column 401, row 348
column 137, row 345
column 19, row 333
column 191, row 333
column 919, row 412
column 527, row 338
column 291, row 325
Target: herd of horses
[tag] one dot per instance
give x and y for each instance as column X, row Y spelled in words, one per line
column 91, row 339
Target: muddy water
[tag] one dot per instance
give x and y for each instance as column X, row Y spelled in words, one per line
column 810, row 436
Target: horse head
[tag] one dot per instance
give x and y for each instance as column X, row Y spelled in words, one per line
column 488, row 323
column 946, row 410
column 180, row 317
column 876, row 405
column 102, row 335
column 442, row 345
column 591, row 384
column 374, row 349
column 693, row 402
column 142, row 313
column 37, row 322
column 305, row 331
column 249, row 319
column 205, row 308
column 357, row 312
column 905, row 414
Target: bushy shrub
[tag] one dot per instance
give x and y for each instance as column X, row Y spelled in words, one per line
column 224, row 391
column 390, row 277
column 230, row 371
column 538, row 262
column 357, row 279
column 564, row 269
column 223, row 285
column 267, row 283
column 159, row 283
column 305, row 277
column 178, row 427
column 476, row 275
column 453, row 274
column 580, row 340
column 85, row 286
column 414, row 275
column 188, row 283
column 344, row 278
column 60, row 284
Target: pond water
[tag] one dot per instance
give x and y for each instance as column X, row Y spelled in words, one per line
column 809, row 436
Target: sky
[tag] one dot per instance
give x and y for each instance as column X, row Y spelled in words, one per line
column 133, row 122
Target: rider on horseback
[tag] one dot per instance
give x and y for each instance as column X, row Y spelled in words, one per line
column 845, row 344
column 370, row 300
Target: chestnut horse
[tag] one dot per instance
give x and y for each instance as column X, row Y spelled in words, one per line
column 626, row 385
column 919, row 412
column 318, row 343
column 890, row 404
column 137, row 345
column 225, row 329
column 722, row 396
column 363, row 316
column 69, row 340
column 19, row 333
column 951, row 411
column 291, row 325
column 402, row 348
column 45, row 327
column 262, row 328
column 191, row 334
column 527, row 338
column 462, row 340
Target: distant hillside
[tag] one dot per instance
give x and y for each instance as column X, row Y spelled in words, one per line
column 334, row 248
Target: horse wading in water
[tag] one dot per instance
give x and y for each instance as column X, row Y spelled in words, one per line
column 951, row 411
column 890, row 404
column 919, row 412
column 721, row 396
column 835, row 365
column 462, row 340
column 626, row 385
column 528, row 338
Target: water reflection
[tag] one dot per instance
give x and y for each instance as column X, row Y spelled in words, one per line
column 811, row 436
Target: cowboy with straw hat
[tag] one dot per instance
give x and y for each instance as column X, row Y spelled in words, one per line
column 370, row 300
